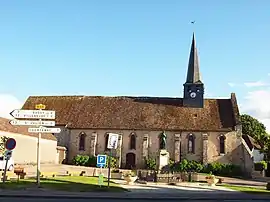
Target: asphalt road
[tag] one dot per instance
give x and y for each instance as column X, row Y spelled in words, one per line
column 105, row 200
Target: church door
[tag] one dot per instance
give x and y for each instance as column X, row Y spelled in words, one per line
column 130, row 160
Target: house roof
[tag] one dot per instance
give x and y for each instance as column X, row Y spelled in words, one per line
column 23, row 130
column 138, row 113
column 251, row 142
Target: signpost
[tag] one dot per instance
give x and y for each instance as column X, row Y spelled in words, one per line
column 32, row 114
column 101, row 162
column 44, row 130
column 10, row 144
column 112, row 144
column 31, row 123
column 40, row 113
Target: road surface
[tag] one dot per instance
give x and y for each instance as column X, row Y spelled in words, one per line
column 105, row 200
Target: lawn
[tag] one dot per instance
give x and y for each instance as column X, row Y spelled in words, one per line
column 67, row 183
column 249, row 190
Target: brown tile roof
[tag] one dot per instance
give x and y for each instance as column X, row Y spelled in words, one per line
column 156, row 113
column 65, row 106
column 251, row 142
column 23, row 130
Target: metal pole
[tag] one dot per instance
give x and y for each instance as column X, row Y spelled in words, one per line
column 38, row 159
column 5, row 171
column 38, row 156
column 109, row 167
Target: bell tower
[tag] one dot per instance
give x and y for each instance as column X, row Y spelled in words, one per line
column 193, row 87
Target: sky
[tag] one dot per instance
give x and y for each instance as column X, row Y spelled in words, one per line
column 137, row 48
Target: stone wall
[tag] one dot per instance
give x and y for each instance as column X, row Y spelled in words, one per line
column 147, row 145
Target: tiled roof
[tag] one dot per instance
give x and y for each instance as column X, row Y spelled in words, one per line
column 251, row 142
column 156, row 113
column 23, row 130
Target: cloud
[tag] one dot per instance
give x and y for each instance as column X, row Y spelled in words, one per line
column 231, row 84
column 256, row 104
column 7, row 104
column 255, row 84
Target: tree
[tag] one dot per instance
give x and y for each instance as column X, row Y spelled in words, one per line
column 3, row 140
column 257, row 130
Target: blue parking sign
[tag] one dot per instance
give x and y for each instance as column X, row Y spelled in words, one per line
column 101, row 160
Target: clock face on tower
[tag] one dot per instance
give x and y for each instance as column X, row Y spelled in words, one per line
column 192, row 95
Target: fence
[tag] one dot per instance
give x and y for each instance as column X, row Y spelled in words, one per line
column 168, row 176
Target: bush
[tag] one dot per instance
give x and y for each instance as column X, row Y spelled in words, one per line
column 187, row 166
column 91, row 161
column 81, row 160
column 150, row 163
column 113, row 162
column 223, row 169
column 213, row 168
column 260, row 166
column 268, row 186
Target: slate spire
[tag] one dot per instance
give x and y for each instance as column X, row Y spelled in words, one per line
column 193, row 73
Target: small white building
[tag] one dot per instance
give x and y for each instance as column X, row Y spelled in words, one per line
column 254, row 148
column 26, row 144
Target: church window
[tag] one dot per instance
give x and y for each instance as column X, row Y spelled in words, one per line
column 106, row 141
column 132, row 141
column 191, row 148
column 82, row 142
column 222, row 144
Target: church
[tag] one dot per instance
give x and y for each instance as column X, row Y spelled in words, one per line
column 192, row 127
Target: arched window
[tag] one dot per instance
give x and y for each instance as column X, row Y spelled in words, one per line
column 191, row 144
column 132, row 142
column 222, row 144
column 82, row 142
column 106, row 141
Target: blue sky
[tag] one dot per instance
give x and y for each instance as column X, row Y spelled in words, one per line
column 140, row 47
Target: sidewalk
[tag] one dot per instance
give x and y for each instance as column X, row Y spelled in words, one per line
column 160, row 193
column 127, row 196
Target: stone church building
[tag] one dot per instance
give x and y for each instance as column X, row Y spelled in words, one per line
column 205, row 130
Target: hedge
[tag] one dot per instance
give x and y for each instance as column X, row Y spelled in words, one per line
column 229, row 170
column 91, row 161
column 260, row 166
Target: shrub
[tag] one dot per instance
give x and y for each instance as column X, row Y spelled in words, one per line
column 150, row 163
column 223, row 169
column 268, row 186
column 91, row 161
column 113, row 162
column 260, row 166
column 80, row 160
column 187, row 166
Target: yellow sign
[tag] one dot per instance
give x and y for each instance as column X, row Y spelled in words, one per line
column 40, row 106
column 100, row 179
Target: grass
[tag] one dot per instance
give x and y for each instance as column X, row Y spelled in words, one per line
column 249, row 190
column 67, row 183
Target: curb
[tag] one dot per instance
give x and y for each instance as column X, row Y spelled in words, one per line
column 126, row 197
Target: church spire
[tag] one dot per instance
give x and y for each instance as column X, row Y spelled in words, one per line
column 193, row 88
column 193, row 73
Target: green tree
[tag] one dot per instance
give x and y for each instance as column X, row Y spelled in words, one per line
column 3, row 140
column 257, row 130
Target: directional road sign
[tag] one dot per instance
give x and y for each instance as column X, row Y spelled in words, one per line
column 10, row 144
column 31, row 123
column 112, row 141
column 33, row 114
column 44, row 130
column 101, row 160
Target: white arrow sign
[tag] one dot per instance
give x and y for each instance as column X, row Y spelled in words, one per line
column 32, row 123
column 33, row 114
column 44, row 130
